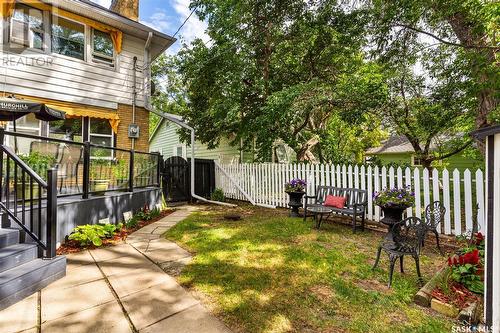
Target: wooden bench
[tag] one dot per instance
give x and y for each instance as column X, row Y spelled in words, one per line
column 355, row 206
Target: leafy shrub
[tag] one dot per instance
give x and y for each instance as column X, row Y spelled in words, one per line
column 218, row 195
column 147, row 215
column 93, row 234
column 132, row 223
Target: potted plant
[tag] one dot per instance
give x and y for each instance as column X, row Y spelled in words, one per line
column 295, row 190
column 393, row 203
column 99, row 167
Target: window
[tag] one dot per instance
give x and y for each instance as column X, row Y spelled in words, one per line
column 67, row 129
column 26, row 125
column 179, row 150
column 102, row 48
column 26, row 27
column 416, row 161
column 68, row 38
column 100, row 133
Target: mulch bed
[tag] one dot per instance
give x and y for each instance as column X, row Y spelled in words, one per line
column 459, row 296
column 71, row 246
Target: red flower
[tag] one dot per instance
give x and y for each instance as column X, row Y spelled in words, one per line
column 479, row 237
column 450, row 263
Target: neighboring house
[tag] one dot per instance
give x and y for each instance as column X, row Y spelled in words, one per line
column 165, row 140
column 80, row 58
column 398, row 150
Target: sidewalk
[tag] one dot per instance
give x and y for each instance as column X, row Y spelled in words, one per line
column 118, row 289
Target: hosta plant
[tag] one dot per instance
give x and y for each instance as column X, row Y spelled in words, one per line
column 89, row 234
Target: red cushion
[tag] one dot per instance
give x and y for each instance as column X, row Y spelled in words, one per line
column 336, row 202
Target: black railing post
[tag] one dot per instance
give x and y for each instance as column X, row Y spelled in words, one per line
column 159, row 161
column 131, row 172
column 2, row 136
column 86, row 170
column 51, row 221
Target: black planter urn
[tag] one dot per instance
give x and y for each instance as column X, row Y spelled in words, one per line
column 295, row 202
column 392, row 215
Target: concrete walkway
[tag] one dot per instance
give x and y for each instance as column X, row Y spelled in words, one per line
column 118, row 289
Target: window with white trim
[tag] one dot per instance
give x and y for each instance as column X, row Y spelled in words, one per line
column 101, row 133
column 68, row 38
column 26, row 125
column 416, row 161
column 103, row 51
column 26, row 27
column 68, row 129
column 179, row 150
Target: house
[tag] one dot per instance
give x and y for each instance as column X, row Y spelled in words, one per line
column 93, row 63
column 89, row 61
column 165, row 140
column 397, row 150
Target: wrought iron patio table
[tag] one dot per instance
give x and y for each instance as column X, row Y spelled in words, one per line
column 318, row 213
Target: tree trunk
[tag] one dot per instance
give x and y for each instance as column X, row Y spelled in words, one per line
column 465, row 31
column 305, row 153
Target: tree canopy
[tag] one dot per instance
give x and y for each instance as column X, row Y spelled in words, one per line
column 331, row 78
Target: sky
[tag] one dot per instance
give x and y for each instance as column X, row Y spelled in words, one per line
column 167, row 16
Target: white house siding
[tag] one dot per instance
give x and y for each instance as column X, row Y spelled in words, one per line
column 166, row 138
column 73, row 80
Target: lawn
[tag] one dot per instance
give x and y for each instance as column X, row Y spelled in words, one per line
column 271, row 273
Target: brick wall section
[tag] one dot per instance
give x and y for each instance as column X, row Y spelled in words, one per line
column 142, row 119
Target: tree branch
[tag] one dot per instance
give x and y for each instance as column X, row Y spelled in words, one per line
column 459, row 149
column 444, row 41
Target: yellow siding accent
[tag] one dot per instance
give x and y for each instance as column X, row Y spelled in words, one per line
column 79, row 110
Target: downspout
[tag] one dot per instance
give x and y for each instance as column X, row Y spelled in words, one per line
column 147, row 69
column 134, row 95
column 184, row 125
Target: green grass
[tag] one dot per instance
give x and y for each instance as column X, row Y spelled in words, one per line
column 271, row 273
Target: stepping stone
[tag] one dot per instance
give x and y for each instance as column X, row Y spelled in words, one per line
column 106, row 318
column 156, row 303
column 195, row 319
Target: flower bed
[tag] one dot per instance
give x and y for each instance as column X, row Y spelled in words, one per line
column 117, row 236
column 458, row 289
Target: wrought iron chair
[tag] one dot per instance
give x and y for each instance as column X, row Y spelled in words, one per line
column 406, row 239
column 434, row 215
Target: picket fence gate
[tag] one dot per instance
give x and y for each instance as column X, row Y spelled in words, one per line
column 460, row 192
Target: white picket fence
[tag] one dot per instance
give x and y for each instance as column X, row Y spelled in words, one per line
column 459, row 191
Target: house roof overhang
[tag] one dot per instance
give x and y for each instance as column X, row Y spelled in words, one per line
column 482, row 133
column 160, row 42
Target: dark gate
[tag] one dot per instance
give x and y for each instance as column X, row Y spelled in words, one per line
column 204, row 177
column 176, row 178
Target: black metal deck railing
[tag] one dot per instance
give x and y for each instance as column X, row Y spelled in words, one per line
column 31, row 180
column 85, row 168
column 28, row 200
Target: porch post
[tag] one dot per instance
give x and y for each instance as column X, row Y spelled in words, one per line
column 86, row 170
column 491, row 135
